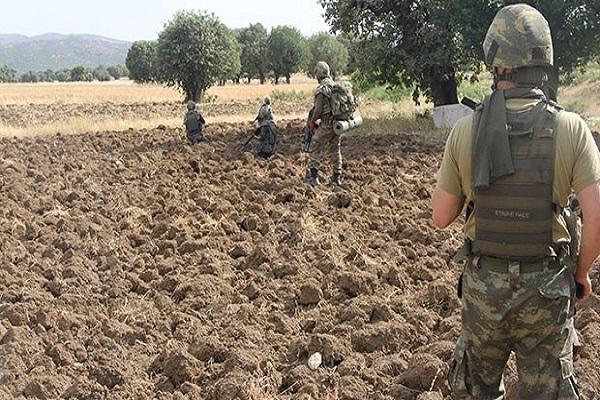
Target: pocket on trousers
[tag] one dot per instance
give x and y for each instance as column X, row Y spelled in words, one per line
column 457, row 375
column 562, row 285
column 568, row 385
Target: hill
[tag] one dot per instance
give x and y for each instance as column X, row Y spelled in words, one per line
column 57, row 51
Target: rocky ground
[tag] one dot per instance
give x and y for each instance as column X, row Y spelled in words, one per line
column 136, row 267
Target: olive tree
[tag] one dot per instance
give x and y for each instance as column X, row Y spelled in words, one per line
column 194, row 51
column 286, row 49
column 430, row 44
column 7, row 74
column 140, row 61
column 325, row 47
column 253, row 41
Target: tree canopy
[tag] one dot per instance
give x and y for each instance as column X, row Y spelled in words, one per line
column 194, row 51
column 255, row 63
column 140, row 61
column 286, row 50
column 431, row 43
column 325, row 47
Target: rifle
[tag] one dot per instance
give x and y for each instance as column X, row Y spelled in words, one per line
column 248, row 141
column 305, row 145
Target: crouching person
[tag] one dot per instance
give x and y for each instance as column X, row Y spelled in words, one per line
column 194, row 124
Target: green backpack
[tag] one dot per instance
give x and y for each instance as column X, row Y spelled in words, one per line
column 343, row 102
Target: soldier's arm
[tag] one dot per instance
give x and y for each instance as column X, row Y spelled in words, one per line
column 589, row 200
column 318, row 108
column 445, row 206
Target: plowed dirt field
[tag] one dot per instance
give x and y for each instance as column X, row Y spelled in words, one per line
column 134, row 266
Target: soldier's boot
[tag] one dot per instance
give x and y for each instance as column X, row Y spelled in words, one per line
column 314, row 177
column 203, row 139
column 336, row 179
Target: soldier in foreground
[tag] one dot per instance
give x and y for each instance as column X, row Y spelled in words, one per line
column 514, row 163
column 325, row 142
column 194, row 124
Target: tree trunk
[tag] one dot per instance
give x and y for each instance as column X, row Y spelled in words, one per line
column 288, row 79
column 444, row 89
column 198, row 95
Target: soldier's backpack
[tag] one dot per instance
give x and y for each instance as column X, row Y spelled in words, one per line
column 192, row 122
column 343, row 102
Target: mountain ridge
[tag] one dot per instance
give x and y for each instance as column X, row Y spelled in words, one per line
column 56, row 51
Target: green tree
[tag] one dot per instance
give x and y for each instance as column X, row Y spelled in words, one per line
column 48, row 76
column 255, row 63
column 193, row 52
column 31, row 77
column 402, row 42
column 118, row 71
column 231, row 67
column 101, row 74
column 286, row 49
column 430, row 43
column 7, row 74
column 81, row 73
column 140, row 61
column 325, row 47
column 575, row 27
column 64, row 75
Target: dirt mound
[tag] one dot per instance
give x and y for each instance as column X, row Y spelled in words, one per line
column 135, row 266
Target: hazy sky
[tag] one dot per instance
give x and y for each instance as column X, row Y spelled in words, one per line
column 133, row 20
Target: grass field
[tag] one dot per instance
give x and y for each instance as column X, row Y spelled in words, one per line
column 582, row 97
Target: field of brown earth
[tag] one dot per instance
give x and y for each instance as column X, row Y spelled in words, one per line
column 134, row 266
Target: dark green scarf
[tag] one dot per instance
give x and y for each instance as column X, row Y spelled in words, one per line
column 491, row 157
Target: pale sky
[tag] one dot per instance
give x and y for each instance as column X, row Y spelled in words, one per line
column 132, row 20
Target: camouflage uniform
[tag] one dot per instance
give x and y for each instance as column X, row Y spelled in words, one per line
column 511, row 304
column 266, row 133
column 194, row 124
column 326, row 144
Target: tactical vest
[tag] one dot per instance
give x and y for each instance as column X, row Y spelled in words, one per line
column 192, row 123
column 514, row 214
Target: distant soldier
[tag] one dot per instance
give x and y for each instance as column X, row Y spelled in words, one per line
column 265, row 136
column 326, row 143
column 194, row 124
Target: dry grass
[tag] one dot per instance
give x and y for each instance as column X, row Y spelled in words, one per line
column 582, row 98
column 128, row 92
column 120, row 92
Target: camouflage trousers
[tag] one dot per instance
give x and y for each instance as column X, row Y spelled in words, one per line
column 519, row 310
column 326, row 145
column 195, row 137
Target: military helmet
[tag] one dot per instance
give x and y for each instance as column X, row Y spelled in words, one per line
column 191, row 105
column 519, row 36
column 267, row 100
column 322, row 69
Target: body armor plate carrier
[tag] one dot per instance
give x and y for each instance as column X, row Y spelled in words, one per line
column 514, row 213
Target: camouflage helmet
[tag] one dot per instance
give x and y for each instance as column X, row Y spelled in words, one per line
column 191, row 105
column 322, row 69
column 267, row 100
column 519, row 36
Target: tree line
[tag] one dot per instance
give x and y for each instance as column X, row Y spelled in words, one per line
column 79, row 73
column 195, row 51
column 429, row 46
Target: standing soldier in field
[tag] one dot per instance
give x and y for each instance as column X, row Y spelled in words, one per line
column 265, row 136
column 514, row 163
column 194, row 124
column 325, row 142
